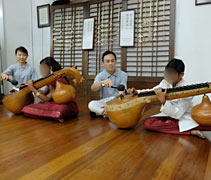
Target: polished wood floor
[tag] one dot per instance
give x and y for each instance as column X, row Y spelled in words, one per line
column 84, row 148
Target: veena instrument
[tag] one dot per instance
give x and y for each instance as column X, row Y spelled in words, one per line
column 201, row 113
column 15, row 102
column 125, row 112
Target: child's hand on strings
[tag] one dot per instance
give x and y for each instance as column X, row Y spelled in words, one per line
column 21, row 85
column 132, row 91
column 59, row 76
column 104, row 111
column 30, row 84
column 161, row 95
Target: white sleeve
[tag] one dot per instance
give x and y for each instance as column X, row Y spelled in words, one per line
column 176, row 108
column 162, row 84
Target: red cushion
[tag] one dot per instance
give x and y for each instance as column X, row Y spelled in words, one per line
column 51, row 110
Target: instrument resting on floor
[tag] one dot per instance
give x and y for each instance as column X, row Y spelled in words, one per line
column 15, row 102
column 201, row 113
column 125, row 112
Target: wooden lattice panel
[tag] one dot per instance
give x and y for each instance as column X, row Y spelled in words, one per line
column 67, row 36
column 107, row 17
column 152, row 38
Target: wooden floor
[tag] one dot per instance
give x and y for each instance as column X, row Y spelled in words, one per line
column 84, row 148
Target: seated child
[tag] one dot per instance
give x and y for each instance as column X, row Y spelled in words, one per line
column 47, row 108
column 175, row 117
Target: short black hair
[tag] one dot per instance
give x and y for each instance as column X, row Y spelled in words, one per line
column 21, row 49
column 107, row 53
column 176, row 65
column 50, row 61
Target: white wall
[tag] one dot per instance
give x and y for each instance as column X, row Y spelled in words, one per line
column 2, row 48
column 17, row 21
column 41, row 36
column 193, row 40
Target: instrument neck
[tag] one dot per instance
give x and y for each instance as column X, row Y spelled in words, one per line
column 180, row 92
column 41, row 82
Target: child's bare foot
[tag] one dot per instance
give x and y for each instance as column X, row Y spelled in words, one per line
column 197, row 133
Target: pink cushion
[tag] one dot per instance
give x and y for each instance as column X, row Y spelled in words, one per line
column 51, row 110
